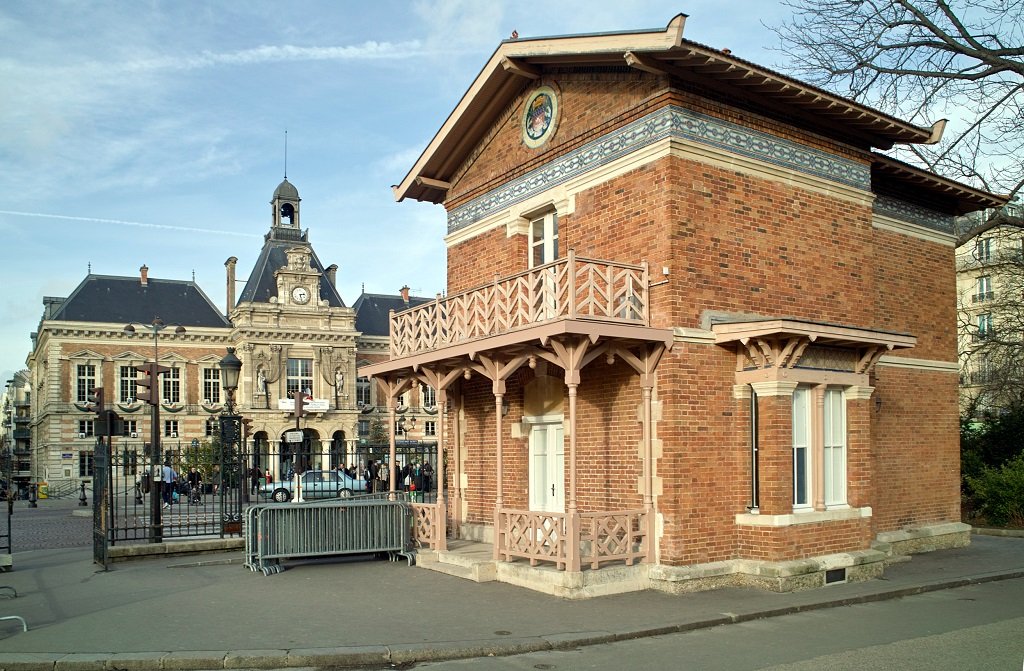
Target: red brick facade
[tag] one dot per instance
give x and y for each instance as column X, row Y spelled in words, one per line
column 734, row 242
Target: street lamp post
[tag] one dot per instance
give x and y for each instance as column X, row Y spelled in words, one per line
column 155, row 468
column 231, row 427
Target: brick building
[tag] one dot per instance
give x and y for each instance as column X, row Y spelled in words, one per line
column 697, row 330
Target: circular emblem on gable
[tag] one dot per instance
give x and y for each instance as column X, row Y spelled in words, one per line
column 540, row 116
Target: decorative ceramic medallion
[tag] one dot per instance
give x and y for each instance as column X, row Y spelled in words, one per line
column 540, row 116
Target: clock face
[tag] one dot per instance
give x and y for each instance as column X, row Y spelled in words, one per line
column 300, row 294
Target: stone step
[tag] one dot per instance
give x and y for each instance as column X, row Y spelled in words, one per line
column 469, row 568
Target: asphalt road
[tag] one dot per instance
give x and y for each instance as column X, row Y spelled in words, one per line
column 976, row 628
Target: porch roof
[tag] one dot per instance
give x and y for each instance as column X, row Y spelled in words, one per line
column 819, row 333
column 520, row 341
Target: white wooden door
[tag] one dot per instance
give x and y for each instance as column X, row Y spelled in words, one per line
column 547, row 468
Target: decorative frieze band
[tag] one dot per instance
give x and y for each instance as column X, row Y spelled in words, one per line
column 667, row 122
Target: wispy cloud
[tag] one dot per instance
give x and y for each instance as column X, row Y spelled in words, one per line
column 279, row 54
column 137, row 224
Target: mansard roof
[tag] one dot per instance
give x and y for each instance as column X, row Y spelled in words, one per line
column 659, row 51
column 124, row 300
column 373, row 311
column 261, row 284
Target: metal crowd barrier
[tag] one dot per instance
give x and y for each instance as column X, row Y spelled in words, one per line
column 359, row 525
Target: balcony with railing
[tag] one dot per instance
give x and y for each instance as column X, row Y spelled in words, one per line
column 983, row 297
column 569, row 288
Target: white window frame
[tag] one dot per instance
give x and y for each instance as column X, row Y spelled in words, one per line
column 803, row 457
column 171, row 383
column 86, row 427
column 428, row 396
column 834, row 448
column 85, row 381
column 127, row 387
column 299, row 375
column 363, row 396
column 130, row 426
column 543, row 239
column 983, row 249
column 211, row 384
column 171, row 428
column 430, row 427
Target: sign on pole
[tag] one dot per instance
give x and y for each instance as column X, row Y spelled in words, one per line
column 293, row 436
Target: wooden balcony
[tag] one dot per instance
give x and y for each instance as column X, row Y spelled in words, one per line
column 569, row 288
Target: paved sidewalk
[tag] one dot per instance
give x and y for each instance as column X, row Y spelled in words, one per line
column 210, row 612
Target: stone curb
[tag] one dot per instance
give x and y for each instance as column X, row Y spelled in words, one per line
column 379, row 655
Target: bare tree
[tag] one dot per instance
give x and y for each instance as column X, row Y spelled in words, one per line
column 922, row 60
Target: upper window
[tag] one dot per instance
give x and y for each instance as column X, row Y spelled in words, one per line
column 984, row 326
column 983, row 249
column 984, row 289
column 363, row 391
column 211, row 385
column 544, row 239
column 172, row 386
column 428, row 397
column 85, row 381
column 300, row 376
column 126, row 386
column 430, row 428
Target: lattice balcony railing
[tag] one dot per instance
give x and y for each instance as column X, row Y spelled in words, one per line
column 603, row 536
column 569, row 288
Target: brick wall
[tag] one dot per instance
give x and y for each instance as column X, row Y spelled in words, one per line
column 739, row 243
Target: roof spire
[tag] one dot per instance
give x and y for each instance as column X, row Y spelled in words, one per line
column 286, row 153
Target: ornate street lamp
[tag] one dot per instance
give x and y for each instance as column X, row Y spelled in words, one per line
column 230, row 369
column 230, row 432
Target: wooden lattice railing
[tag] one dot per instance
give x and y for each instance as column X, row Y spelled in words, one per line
column 426, row 524
column 569, row 288
column 603, row 536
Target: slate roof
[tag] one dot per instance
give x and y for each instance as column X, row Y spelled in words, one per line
column 123, row 300
column 261, row 284
column 372, row 316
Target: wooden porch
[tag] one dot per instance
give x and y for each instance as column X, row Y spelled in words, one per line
column 568, row 313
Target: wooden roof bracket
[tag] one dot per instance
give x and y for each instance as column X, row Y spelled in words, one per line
column 520, row 68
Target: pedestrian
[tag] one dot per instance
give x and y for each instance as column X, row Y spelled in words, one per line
column 195, row 485
column 254, row 480
column 427, row 473
column 170, row 477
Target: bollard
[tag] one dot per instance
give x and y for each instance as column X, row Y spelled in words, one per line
column 138, row 494
column 32, row 495
column 82, row 500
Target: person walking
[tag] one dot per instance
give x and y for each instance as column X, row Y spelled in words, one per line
column 170, row 478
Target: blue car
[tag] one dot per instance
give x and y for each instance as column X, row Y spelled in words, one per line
column 316, row 485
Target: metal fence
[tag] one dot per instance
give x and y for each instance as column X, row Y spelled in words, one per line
column 367, row 523
column 212, row 487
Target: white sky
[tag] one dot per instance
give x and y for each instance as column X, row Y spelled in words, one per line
column 152, row 132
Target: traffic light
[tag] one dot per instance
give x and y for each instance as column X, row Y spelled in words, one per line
column 95, row 400
column 109, row 423
column 147, row 387
column 300, row 404
column 246, row 427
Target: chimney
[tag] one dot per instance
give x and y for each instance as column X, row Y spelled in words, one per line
column 230, row 265
column 144, row 276
column 332, row 272
column 405, row 293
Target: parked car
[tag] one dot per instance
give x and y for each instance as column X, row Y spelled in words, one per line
column 315, row 485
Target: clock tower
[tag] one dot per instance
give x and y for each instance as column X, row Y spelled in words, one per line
column 285, row 206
